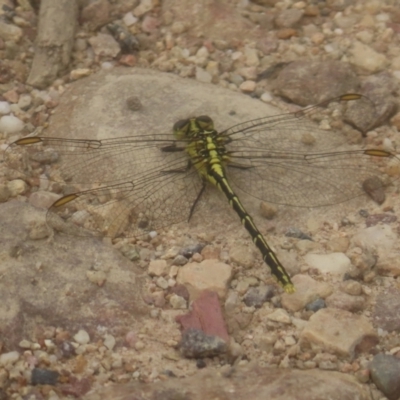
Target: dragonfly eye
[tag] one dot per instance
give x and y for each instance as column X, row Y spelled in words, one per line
column 205, row 122
column 181, row 126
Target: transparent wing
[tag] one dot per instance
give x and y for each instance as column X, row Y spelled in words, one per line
column 131, row 209
column 149, row 182
column 358, row 105
column 85, row 161
column 312, row 180
column 287, row 159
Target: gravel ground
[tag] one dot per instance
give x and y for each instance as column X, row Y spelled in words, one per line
column 257, row 49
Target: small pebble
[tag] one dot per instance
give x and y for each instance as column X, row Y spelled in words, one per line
column 248, row 86
column 130, row 252
column 191, row 250
column 177, row 302
column 109, row 342
column 79, row 73
column 10, row 124
column 289, row 340
column 67, row 349
column 266, row 97
column 158, row 268
column 82, row 337
column 5, row 107
column 9, row 358
column 49, row 344
column 352, row 287
column 129, row 19
column 16, row 187
column 178, row 27
column 139, row 345
column 179, row 260
column 25, row 344
column 24, row 101
column 280, row 315
column 268, row 211
column 316, row 305
column 257, row 296
column 375, row 188
column 297, row 233
column 162, row 282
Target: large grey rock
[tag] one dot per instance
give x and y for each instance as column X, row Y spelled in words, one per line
column 250, row 382
column 47, row 282
column 96, row 107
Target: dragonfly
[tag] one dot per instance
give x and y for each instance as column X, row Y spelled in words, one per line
column 147, row 182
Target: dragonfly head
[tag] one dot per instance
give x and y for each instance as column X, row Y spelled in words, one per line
column 190, row 126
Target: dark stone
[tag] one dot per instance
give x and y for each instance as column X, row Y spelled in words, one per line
column 190, row 250
column 200, row 364
column 374, row 187
column 196, row 344
column 383, row 218
column 385, row 373
column 297, row 233
column 257, row 296
column 128, row 42
column 44, row 377
column 180, row 260
column 316, row 305
column 181, row 290
column 67, row 349
column 387, row 311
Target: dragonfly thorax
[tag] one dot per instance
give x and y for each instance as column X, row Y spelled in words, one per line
column 205, row 146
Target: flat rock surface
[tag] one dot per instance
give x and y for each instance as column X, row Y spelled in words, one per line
column 251, row 382
column 96, row 107
column 340, row 332
column 46, row 282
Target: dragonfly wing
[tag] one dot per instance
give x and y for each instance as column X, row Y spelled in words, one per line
column 131, row 209
column 288, row 159
column 312, row 179
column 135, row 184
column 107, row 161
column 297, row 119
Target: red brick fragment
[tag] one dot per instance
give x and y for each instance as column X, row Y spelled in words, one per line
column 206, row 315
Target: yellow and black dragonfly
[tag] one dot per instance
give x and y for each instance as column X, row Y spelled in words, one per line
column 147, row 182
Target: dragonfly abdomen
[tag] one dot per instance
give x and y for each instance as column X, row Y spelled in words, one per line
column 217, row 176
